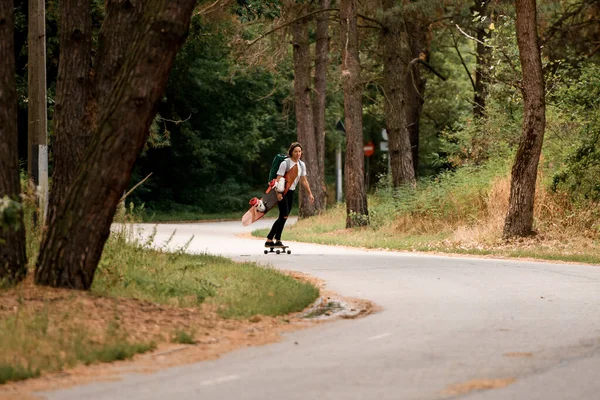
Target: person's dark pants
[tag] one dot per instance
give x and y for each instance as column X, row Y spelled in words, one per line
column 285, row 207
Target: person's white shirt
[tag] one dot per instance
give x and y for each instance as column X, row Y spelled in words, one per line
column 288, row 164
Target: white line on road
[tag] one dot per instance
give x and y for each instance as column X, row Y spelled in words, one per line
column 222, row 379
column 378, row 337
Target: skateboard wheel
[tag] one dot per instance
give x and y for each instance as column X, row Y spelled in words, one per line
column 266, row 251
column 278, row 251
column 289, row 252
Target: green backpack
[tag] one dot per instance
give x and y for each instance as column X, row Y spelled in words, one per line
column 279, row 158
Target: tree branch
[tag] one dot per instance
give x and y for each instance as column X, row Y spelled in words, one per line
column 556, row 26
column 290, row 22
column 462, row 61
column 135, row 187
column 371, row 20
column 430, row 67
column 309, row 15
column 471, row 37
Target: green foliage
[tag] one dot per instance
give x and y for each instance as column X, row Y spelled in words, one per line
column 451, row 197
column 9, row 213
column 249, row 10
column 223, row 126
column 573, row 145
column 183, row 337
column 447, row 106
column 16, row 372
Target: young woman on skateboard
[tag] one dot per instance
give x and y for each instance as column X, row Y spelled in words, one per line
column 286, row 201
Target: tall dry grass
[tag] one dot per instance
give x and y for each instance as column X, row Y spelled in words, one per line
column 556, row 216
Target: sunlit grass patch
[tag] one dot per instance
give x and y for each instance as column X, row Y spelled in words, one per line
column 131, row 269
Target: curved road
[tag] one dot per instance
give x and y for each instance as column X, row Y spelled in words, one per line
column 445, row 321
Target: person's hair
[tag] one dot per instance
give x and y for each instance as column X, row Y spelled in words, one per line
column 292, row 147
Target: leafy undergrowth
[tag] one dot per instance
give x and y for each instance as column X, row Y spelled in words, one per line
column 461, row 216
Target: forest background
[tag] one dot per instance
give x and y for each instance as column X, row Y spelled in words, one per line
column 229, row 106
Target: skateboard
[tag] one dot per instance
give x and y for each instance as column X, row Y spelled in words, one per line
column 278, row 250
column 269, row 199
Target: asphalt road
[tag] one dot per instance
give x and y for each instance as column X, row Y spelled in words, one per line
column 444, row 321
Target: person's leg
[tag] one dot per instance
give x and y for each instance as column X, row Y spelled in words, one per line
column 288, row 201
column 282, row 206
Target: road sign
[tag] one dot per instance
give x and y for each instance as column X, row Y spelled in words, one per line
column 369, row 149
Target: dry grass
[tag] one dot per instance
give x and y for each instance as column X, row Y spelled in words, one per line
column 454, row 219
column 44, row 329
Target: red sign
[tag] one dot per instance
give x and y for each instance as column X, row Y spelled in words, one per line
column 369, row 149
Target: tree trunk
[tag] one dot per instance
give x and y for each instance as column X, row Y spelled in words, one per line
column 114, row 41
column 482, row 60
column 304, row 117
column 357, row 213
column 519, row 219
column 13, row 260
column 70, row 260
column 418, row 40
column 319, row 102
column 394, row 71
column 71, row 119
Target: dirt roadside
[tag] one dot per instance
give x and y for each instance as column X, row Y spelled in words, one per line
column 145, row 321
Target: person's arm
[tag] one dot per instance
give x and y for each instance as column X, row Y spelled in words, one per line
column 304, row 183
column 279, row 195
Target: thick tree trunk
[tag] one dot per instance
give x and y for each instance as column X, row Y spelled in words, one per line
column 13, row 260
column 304, row 117
column 354, row 177
column 319, row 102
column 394, row 72
column 519, row 219
column 71, row 118
column 70, row 260
column 114, row 41
column 418, row 40
column 482, row 61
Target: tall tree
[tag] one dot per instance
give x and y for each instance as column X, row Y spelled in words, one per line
column 71, row 116
column 393, row 43
column 519, row 219
column 304, row 113
column 357, row 213
column 414, row 94
column 123, row 120
column 319, row 102
column 13, row 261
column 482, row 56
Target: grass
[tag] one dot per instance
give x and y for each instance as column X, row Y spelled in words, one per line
column 461, row 213
column 182, row 216
column 46, row 330
column 239, row 290
column 40, row 340
column 16, row 373
column 186, row 216
column 183, row 337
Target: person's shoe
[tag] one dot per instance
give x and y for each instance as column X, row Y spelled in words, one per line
column 279, row 244
column 269, row 243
